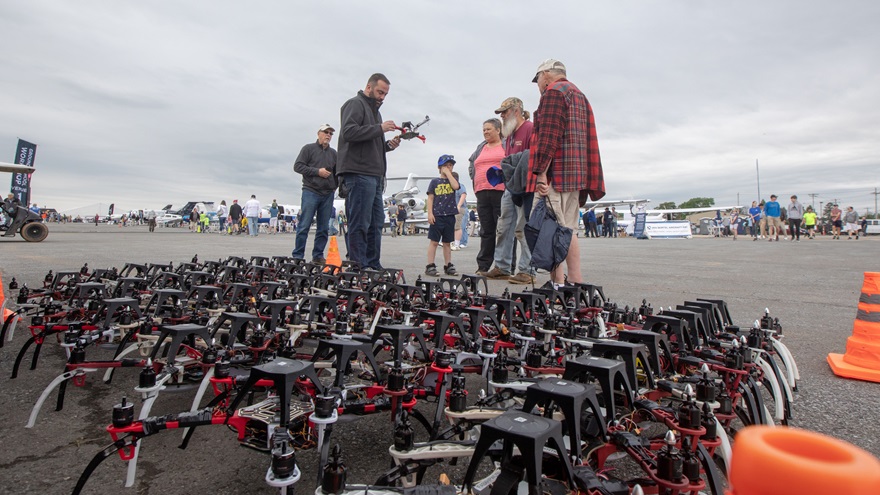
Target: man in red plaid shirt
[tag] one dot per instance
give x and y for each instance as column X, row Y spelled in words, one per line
column 564, row 157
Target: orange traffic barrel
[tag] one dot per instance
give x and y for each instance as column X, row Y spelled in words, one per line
column 781, row 461
column 862, row 358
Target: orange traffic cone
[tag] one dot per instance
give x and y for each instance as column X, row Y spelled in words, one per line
column 333, row 257
column 779, row 461
column 862, row 358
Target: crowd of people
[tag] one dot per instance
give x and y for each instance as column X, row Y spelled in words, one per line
column 555, row 159
column 772, row 221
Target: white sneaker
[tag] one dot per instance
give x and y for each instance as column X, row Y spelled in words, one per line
column 454, row 247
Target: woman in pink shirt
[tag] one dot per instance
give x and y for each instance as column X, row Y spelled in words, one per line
column 488, row 154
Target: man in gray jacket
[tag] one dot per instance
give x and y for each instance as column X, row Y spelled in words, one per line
column 317, row 164
column 361, row 169
column 795, row 217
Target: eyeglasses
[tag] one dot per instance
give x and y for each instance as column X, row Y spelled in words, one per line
column 328, row 132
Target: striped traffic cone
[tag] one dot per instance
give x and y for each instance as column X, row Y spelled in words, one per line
column 862, row 358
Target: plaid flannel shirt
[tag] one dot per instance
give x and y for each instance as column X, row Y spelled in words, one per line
column 564, row 142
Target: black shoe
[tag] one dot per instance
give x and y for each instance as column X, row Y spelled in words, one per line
column 449, row 269
column 431, row 270
column 318, row 260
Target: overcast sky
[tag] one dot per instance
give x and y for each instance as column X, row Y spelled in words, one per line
column 149, row 103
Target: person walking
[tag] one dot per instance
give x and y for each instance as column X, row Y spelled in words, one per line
column 252, row 213
column 487, row 155
column 851, row 219
column 795, row 217
column 734, row 223
column 754, row 220
column 392, row 219
column 441, row 216
column 565, row 156
column 151, row 220
column 222, row 213
column 235, row 216
column 317, row 165
column 401, row 219
column 810, row 222
column 273, row 217
column 772, row 211
column 836, row 221
column 194, row 218
column 361, row 169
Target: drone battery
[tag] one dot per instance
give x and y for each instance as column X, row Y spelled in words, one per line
column 734, row 361
column 669, row 466
column 442, row 359
column 457, row 402
column 221, row 369
column 534, row 358
column 706, row 391
column 324, row 406
column 395, row 380
column 123, row 414
column 689, row 416
column 725, row 404
column 77, row 355
column 691, row 468
column 283, row 462
column 209, row 356
column 147, row 378
column 499, row 375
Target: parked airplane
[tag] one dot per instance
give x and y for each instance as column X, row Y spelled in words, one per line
column 414, row 204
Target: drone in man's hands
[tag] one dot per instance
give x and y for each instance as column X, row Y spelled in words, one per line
column 409, row 131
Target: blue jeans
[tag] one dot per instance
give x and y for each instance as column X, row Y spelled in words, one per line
column 366, row 217
column 464, row 226
column 253, row 225
column 312, row 204
column 510, row 228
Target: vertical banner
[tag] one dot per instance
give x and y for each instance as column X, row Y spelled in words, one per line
column 21, row 183
column 639, row 226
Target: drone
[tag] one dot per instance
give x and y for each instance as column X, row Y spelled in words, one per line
column 409, row 131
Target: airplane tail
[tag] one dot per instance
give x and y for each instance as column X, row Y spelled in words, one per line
column 411, row 182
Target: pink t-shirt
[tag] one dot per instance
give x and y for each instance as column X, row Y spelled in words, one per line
column 490, row 156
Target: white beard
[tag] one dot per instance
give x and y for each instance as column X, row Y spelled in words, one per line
column 508, row 127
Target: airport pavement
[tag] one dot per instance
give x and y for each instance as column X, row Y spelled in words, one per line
column 812, row 286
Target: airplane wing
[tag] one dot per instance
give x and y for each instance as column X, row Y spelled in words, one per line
column 614, row 202
column 692, row 210
column 16, row 169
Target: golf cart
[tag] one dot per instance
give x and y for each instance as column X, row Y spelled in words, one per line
column 27, row 223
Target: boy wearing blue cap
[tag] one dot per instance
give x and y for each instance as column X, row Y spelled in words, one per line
column 441, row 216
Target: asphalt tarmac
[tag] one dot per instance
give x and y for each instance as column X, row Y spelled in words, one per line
column 813, row 286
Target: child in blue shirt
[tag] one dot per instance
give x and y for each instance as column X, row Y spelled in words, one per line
column 442, row 209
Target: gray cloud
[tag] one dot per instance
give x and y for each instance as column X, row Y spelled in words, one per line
column 152, row 103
